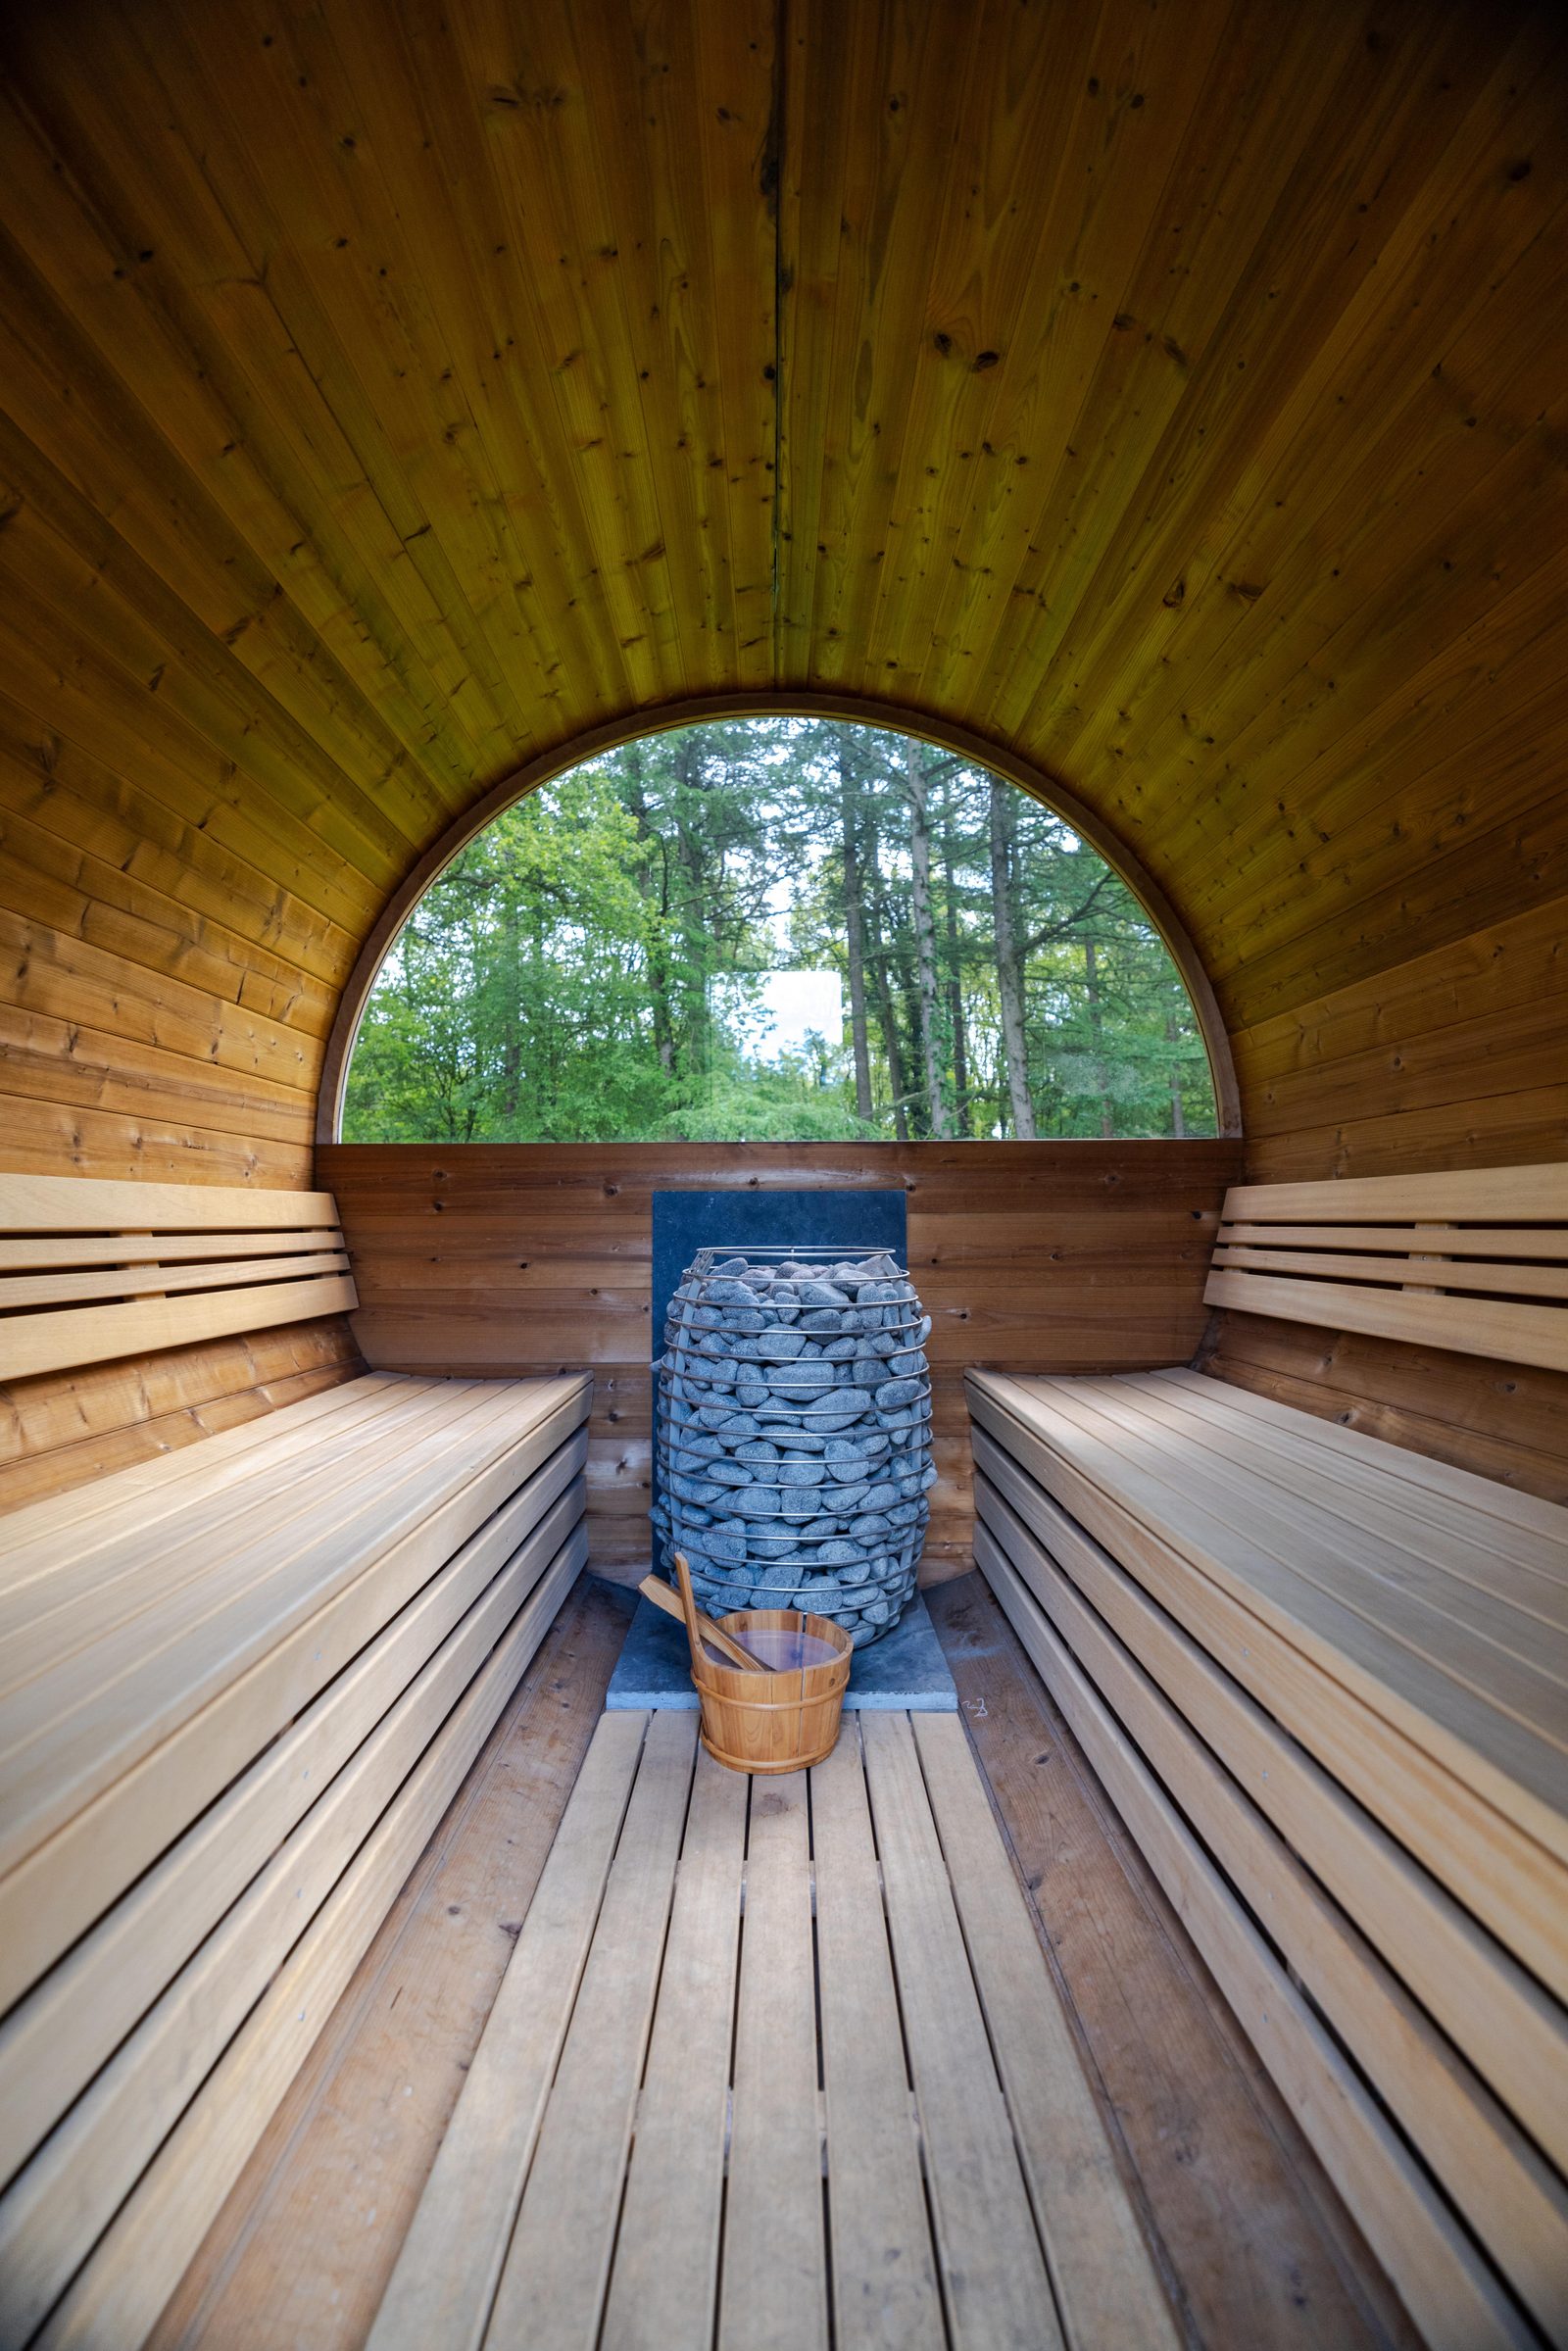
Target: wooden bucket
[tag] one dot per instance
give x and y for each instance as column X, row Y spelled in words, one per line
column 773, row 1722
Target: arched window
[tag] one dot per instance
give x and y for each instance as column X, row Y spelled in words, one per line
column 776, row 928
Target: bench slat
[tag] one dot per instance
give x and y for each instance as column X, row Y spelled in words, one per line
column 33, row 1289
column 1513, row 2033
column 79, row 1724
column 48, row 1534
column 81, row 1249
column 1411, row 1648
column 33, row 1203
column 123, row 2285
column 56, row 2038
column 1522, row 1281
column 1512, row 1334
column 198, row 1711
column 1453, row 1528
column 1447, row 2287
column 1506, row 1877
column 116, row 1593
column 74, row 2183
column 1443, row 1480
column 1513, row 2199
column 61, row 1342
column 1465, row 1194
column 1449, row 1240
column 1373, row 1528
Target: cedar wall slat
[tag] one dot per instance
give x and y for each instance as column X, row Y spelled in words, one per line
column 519, row 1259
column 1457, row 1058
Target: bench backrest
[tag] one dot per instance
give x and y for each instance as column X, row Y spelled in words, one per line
column 1475, row 1262
column 91, row 1270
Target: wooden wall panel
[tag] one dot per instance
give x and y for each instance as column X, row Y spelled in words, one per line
column 1456, row 1058
column 526, row 1258
column 65, row 1428
column 1172, row 394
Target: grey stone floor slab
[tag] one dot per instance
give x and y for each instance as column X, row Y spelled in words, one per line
column 905, row 1670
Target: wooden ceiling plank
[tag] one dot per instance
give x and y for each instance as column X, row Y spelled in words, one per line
column 1467, row 882
column 65, row 1061
column 1493, row 970
column 1281, row 99
column 1500, row 793
column 738, row 72
column 293, row 626
column 56, row 974
column 107, row 605
column 70, row 687
column 1433, row 619
column 331, row 259
column 549, row 210
column 906, row 73
column 412, row 247
column 1099, row 267
column 1438, row 261
column 186, row 300
column 43, row 1136
column 129, row 855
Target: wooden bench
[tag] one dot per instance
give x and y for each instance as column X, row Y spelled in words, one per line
column 239, row 1684
column 1324, row 1680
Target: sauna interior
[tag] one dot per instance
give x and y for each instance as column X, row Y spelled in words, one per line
column 1156, row 407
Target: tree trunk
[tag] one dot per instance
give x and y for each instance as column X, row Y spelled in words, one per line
column 510, row 1014
column 1009, row 971
column 654, row 893
column 887, row 1018
column 854, row 937
column 1177, row 1117
column 962, row 1111
column 925, row 945
column 1108, row 1121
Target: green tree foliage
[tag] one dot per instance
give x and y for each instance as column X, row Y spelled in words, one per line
column 595, row 965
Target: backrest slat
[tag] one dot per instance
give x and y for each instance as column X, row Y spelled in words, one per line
column 90, row 1271
column 75, row 1249
column 1470, row 1260
column 31, row 1204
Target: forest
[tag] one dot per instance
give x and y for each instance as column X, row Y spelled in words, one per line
column 608, row 960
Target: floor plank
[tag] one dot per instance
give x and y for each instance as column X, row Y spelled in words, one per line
column 558, row 2267
column 1259, row 2245
column 993, row 2270
column 1249, row 2240
column 1106, row 2288
column 885, row 2294
column 302, row 2251
column 774, row 2281
column 675, row 2183
column 441, row 2291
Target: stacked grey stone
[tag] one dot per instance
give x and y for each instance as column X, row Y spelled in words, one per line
column 794, row 1435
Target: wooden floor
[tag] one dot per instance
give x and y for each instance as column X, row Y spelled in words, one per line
column 1247, row 2241
column 778, row 2063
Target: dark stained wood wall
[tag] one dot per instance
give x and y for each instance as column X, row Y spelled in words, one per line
column 1076, row 1256
column 1172, row 392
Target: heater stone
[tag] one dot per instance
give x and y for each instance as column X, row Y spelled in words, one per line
column 795, row 1408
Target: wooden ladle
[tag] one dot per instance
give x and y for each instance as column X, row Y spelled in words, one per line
column 654, row 1588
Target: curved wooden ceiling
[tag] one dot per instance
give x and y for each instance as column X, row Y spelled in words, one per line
column 1172, row 393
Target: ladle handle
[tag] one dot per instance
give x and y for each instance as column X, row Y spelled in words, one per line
column 685, row 1607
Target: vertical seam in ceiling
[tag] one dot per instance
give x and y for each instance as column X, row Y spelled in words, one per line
column 772, row 188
